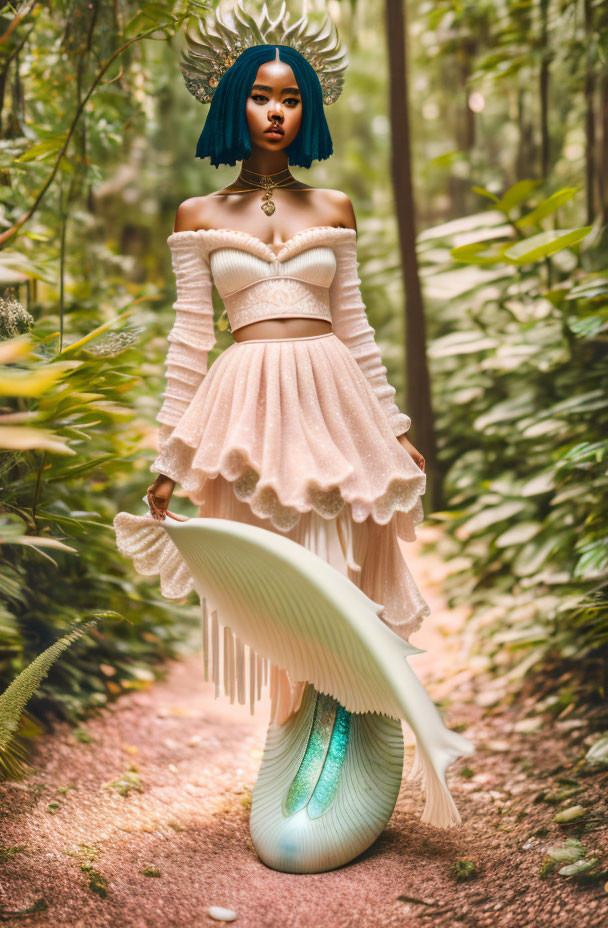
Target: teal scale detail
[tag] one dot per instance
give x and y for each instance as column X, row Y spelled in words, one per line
column 314, row 785
column 326, row 787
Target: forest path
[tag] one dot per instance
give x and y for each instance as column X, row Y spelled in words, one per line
column 184, row 815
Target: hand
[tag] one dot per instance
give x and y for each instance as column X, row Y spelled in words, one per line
column 159, row 496
column 417, row 457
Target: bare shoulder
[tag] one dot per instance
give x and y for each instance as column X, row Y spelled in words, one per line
column 193, row 214
column 340, row 205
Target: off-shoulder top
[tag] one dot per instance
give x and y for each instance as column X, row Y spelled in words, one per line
column 314, row 275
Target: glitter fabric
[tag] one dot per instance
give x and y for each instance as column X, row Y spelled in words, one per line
column 294, row 425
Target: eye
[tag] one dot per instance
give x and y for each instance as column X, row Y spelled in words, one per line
column 258, row 96
column 292, row 100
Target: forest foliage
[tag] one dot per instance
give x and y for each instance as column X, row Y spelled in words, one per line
column 510, row 142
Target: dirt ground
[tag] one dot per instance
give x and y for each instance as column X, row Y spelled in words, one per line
column 171, row 837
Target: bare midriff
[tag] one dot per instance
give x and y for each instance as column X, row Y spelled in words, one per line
column 282, row 328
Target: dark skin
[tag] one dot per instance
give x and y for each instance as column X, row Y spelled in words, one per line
column 274, row 101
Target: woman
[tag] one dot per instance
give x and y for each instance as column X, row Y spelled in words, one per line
column 293, row 431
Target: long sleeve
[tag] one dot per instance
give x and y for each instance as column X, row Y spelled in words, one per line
column 193, row 333
column 351, row 325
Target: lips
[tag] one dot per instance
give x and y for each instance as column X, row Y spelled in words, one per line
column 274, row 130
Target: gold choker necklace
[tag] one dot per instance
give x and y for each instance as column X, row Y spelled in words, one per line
column 266, row 182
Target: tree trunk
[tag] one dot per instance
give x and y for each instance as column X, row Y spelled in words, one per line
column 418, row 392
column 603, row 178
column 590, row 173
column 545, row 144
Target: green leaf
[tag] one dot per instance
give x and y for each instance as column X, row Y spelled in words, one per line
column 14, row 699
column 491, row 516
column 598, row 752
column 41, row 151
column 467, row 342
column 24, row 438
column 486, row 193
column 533, row 555
column 571, row 851
column 545, row 244
column 518, row 534
column 446, row 159
column 548, row 206
column 517, row 194
column 32, row 383
column 589, row 327
column 481, row 253
column 580, row 866
column 37, row 541
column 573, row 814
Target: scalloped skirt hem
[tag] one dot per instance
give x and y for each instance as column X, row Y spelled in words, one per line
column 295, row 427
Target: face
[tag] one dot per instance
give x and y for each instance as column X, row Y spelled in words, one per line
column 274, row 101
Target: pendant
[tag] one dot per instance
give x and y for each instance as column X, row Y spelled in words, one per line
column 267, row 203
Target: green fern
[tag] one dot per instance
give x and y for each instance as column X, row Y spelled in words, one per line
column 14, row 699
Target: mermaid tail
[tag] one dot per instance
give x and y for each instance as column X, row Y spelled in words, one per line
column 293, row 608
column 327, row 785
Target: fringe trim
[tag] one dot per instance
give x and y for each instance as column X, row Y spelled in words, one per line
column 228, row 663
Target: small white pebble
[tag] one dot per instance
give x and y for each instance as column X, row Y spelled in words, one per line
column 221, row 915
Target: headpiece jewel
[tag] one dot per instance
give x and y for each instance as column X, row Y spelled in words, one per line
column 213, row 46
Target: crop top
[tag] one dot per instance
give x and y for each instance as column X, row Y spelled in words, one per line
column 253, row 289
column 314, row 275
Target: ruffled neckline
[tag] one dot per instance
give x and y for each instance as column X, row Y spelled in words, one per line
column 216, row 238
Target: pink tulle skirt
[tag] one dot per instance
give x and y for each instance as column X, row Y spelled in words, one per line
column 288, row 434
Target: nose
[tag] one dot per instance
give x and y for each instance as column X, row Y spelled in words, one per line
column 275, row 112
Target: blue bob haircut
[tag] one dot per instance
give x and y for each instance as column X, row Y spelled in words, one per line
column 225, row 136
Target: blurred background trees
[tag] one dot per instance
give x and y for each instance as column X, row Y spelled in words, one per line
column 507, row 152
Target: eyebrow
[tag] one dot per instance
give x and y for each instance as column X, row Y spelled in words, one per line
column 269, row 89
